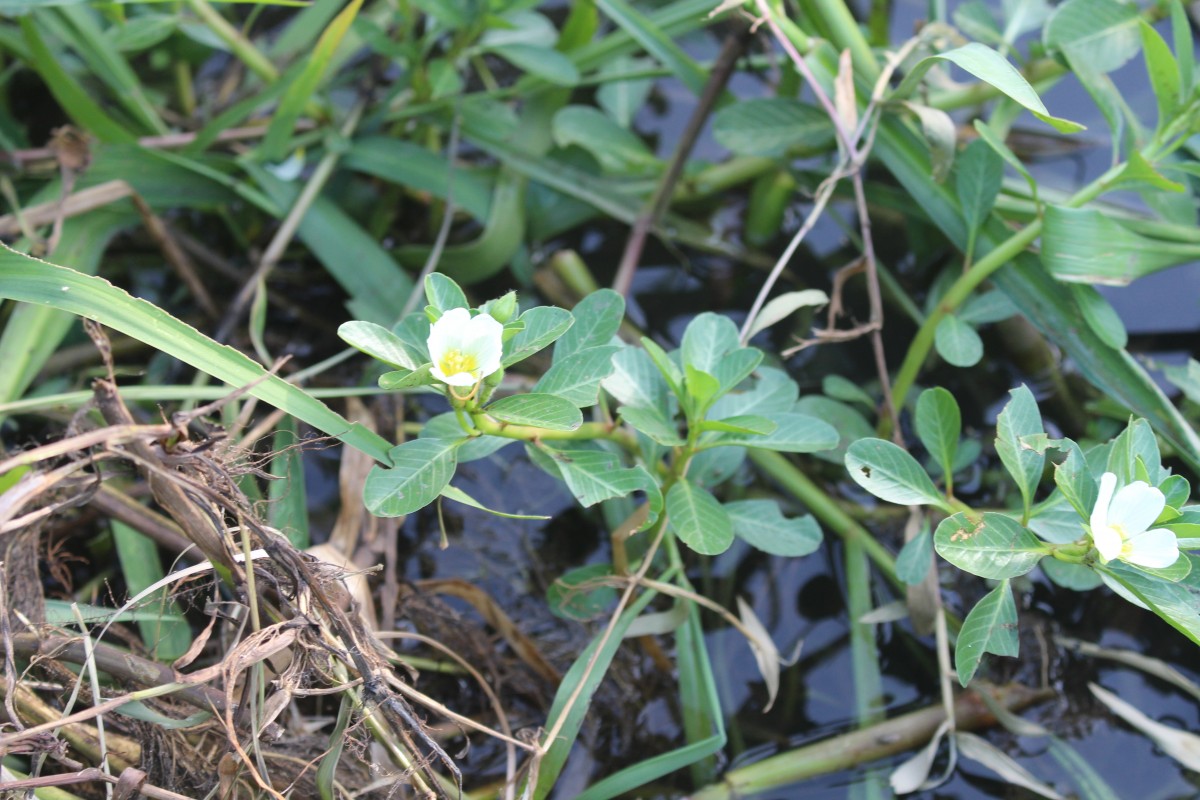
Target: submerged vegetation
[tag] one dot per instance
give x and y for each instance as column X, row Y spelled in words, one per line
column 853, row 329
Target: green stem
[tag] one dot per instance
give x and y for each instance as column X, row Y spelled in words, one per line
column 257, row 63
column 490, row 426
column 1003, row 253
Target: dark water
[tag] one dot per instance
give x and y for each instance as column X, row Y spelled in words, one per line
column 804, row 599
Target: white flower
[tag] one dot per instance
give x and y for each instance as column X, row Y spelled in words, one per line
column 465, row 349
column 1120, row 525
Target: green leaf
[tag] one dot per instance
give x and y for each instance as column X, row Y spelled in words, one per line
column 939, row 424
column 408, row 379
column 990, row 67
column 1076, row 577
column 1100, row 315
column 539, row 410
column 735, row 367
column 459, row 496
column 70, row 94
column 996, row 142
column 1101, row 34
column 1136, row 443
column 653, row 423
column 1084, row 245
column 916, row 557
column 408, row 164
column 770, row 126
column 848, row 422
column 941, row 134
column 287, row 508
column 545, row 62
column 1021, row 418
column 42, row 284
column 977, row 181
column 773, row 391
column 623, row 98
column 761, row 524
column 992, row 546
column 595, row 475
column 421, row 469
column 991, row 306
column 794, row 433
column 957, row 342
column 636, row 381
column 698, row 519
column 447, row 426
column 1141, row 173
column 1176, row 603
column 1074, row 479
column 164, row 631
column 887, row 471
column 1181, row 34
column 577, row 377
column 618, row 150
column 299, row 94
column 654, row 40
column 847, row 391
column 443, row 293
column 597, row 320
column 572, row 597
column 706, row 341
column 1163, row 72
column 991, row 627
column 667, row 367
column 543, row 324
column 745, row 424
column 380, row 343
column 701, row 388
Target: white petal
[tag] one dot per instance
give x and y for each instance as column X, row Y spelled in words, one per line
column 1107, row 541
column 1108, row 482
column 1135, row 507
column 1157, row 549
column 457, row 379
column 448, row 333
column 487, row 343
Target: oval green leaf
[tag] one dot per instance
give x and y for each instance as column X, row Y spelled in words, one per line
column 887, row 471
column 993, row 546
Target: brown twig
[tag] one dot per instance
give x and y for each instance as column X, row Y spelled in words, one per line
column 722, row 69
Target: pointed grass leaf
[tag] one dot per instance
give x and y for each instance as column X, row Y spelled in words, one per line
column 380, row 343
column 538, row 410
column 1181, row 34
column 1021, row 418
column 916, row 557
column 698, row 519
column 459, row 496
column 287, row 508
column 781, row 307
column 939, row 425
column 421, row 470
column 957, row 342
column 1101, row 317
column 164, row 631
column 577, row 377
column 1085, row 246
column 647, row 32
column 990, row 67
column 706, row 341
column 597, row 320
column 980, row 750
column 991, row 546
column 887, row 471
column 770, row 126
column 1163, row 72
column 40, row 283
column 443, row 293
column 990, row 627
column 1181, row 745
column 761, row 524
column 543, row 325
column 793, row 433
column 997, row 143
column 544, row 62
column 300, row 93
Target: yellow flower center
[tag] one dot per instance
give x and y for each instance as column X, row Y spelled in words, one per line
column 456, row 361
